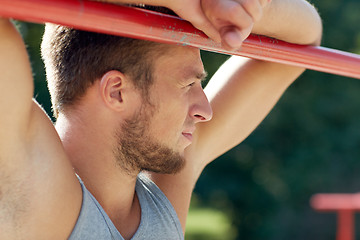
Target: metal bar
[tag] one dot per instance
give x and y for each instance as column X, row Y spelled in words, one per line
column 142, row 24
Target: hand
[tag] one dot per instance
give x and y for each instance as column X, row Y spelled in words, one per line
column 191, row 11
column 233, row 19
column 227, row 21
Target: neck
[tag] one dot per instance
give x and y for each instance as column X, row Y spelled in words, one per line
column 93, row 160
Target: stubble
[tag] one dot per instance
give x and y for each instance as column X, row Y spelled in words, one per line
column 136, row 150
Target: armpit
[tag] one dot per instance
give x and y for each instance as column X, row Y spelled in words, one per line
column 14, row 205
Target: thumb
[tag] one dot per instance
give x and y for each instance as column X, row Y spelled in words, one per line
column 201, row 22
column 231, row 38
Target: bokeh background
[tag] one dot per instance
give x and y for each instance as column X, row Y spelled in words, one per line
column 308, row 144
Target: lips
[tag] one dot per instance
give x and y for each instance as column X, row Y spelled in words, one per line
column 188, row 133
column 188, row 136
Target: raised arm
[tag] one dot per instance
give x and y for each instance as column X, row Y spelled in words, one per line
column 243, row 91
column 16, row 81
column 295, row 21
column 39, row 195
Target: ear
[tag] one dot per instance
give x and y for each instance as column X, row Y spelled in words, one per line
column 114, row 87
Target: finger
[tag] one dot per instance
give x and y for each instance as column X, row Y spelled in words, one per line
column 246, row 32
column 191, row 11
column 201, row 22
column 236, row 16
column 233, row 38
column 253, row 8
column 234, row 19
column 230, row 38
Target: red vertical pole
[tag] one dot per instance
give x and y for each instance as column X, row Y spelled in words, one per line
column 345, row 226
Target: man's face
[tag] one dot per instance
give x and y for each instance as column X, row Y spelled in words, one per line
column 179, row 98
column 156, row 136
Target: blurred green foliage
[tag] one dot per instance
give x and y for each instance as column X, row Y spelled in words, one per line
column 309, row 143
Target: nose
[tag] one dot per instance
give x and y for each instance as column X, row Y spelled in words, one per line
column 201, row 110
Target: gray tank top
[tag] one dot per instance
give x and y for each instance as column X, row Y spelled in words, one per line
column 158, row 217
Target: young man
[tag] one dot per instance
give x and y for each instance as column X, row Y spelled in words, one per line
column 127, row 106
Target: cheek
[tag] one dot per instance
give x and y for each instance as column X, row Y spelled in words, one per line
column 171, row 114
column 173, row 120
column 169, row 121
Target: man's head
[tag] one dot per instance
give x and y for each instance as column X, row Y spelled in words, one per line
column 160, row 87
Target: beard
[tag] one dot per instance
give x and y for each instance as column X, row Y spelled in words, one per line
column 136, row 150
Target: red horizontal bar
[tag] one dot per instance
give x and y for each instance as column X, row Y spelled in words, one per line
column 336, row 202
column 142, row 24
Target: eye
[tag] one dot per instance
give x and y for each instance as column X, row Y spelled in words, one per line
column 191, row 84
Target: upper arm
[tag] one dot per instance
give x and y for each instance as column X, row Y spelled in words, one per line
column 16, row 81
column 241, row 93
column 40, row 197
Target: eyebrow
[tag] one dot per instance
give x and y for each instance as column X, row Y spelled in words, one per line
column 202, row 76
column 195, row 74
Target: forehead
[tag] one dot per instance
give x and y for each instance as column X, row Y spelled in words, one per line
column 178, row 61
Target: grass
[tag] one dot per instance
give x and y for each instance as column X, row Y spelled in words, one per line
column 209, row 224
